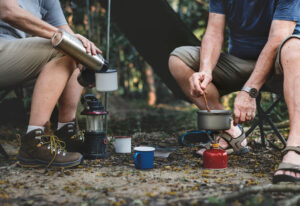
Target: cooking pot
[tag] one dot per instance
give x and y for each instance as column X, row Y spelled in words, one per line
column 214, row 120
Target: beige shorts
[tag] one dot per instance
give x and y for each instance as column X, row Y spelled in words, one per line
column 231, row 73
column 22, row 60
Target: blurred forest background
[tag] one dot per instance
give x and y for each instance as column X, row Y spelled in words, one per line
column 137, row 81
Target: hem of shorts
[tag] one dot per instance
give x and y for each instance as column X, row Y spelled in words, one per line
column 281, row 45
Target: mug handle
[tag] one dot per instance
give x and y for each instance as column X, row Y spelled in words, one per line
column 135, row 159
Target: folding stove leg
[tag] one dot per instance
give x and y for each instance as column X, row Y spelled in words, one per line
column 260, row 120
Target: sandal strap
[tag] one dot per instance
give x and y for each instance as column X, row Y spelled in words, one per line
column 235, row 143
column 291, row 148
column 289, row 167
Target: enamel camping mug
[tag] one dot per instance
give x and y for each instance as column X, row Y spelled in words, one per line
column 144, row 157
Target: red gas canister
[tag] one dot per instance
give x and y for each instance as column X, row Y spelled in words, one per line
column 215, row 158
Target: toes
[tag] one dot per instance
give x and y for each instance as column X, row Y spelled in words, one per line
column 279, row 172
column 290, row 173
column 223, row 143
column 298, row 175
column 244, row 143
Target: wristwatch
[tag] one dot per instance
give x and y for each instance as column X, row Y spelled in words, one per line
column 251, row 91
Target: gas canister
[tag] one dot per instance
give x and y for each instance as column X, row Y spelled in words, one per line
column 215, row 158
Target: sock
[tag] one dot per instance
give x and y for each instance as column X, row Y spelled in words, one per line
column 61, row 124
column 32, row 127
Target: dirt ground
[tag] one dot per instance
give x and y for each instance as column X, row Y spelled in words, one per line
column 179, row 179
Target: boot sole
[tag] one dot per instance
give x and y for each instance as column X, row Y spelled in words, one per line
column 34, row 163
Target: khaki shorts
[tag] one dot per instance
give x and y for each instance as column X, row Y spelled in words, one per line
column 22, row 60
column 231, row 73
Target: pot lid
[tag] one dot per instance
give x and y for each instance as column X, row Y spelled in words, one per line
column 214, row 112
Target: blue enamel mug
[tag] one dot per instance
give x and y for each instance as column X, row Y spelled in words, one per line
column 144, row 157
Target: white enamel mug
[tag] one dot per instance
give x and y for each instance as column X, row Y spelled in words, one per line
column 107, row 81
column 123, row 144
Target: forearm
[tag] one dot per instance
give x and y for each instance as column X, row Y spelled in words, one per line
column 210, row 51
column 25, row 21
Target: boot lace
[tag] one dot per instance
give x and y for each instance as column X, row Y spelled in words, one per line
column 79, row 134
column 55, row 145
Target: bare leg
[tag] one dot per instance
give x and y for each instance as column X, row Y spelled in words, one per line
column 69, row 99
column 290, row 59
column 181, row 72
column 49, row 86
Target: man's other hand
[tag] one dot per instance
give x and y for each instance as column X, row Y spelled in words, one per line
column 90, row 46
column 244, row 108
column 198, row 82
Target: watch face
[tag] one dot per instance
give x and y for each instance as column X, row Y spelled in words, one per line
column 253, row 92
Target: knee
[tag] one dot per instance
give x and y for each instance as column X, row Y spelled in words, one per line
column 290, row 51
column 174, row 66
column 172, row 63
column 67, row 63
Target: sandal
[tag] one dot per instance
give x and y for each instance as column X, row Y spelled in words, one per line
column 287, row 167
column 235, row 143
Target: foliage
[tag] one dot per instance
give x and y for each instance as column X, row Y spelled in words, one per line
column 123, row 55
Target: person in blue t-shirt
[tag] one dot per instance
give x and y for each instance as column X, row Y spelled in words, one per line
column 264, row 49
column 25, row 58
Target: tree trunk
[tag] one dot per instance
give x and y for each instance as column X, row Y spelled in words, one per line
column 151, row 85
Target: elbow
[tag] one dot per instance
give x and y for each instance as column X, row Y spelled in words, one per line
column 276, row 39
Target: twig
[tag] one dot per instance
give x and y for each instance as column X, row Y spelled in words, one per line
column 247, row 191
column 290, row 202
column 9, row 166
column 264, row 188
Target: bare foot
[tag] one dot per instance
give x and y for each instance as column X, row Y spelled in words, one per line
column 292, row 158
column 234, row 131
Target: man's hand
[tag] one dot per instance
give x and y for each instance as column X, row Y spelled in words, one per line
column 90, row 46
column 198, row 82
column 244, row 108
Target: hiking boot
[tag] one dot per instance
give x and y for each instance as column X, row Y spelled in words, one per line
column 38, row 149
column 72, row 136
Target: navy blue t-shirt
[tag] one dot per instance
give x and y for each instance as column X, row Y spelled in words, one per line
column 249, row 22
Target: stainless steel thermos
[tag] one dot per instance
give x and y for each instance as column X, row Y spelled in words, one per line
column 96, row 72
column 73, row 47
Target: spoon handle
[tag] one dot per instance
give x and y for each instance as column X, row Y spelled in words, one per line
column 205, row 100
